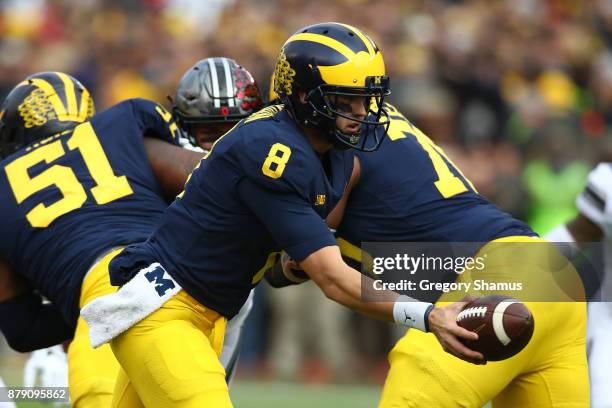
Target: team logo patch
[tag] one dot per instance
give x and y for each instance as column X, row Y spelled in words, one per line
column 320, row 200
column 36, row 109
column 158, row 277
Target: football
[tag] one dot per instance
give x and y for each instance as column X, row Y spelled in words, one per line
column 504, row 326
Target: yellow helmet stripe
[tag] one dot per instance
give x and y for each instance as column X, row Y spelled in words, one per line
column 321, row 39
column 361, row 35
column 84, row 105
column 56, row 102
column 70, row 94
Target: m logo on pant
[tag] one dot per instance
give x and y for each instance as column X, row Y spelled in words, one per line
column 162, row 285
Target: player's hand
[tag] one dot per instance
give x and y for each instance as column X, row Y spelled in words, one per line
column 443, row 324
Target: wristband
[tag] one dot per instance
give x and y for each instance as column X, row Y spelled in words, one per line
column 411, row 313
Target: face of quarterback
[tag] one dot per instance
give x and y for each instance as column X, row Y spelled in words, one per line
column 206, row 134
column 352, row 106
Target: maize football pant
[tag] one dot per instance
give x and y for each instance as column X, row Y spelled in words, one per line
column 550, row 372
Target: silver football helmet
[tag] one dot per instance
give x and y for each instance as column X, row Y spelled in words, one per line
column 216, row 92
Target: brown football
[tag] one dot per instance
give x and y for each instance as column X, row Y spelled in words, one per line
column 504, row 326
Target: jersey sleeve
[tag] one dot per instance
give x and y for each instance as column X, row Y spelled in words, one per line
column 154, row 120
column 289, row 218
column 595, row 201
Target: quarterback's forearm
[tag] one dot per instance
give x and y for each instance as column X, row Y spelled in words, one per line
column 347, row 292
column 343, row 284
column 29, row 324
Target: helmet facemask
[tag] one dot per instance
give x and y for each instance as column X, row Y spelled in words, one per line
column 325, row 108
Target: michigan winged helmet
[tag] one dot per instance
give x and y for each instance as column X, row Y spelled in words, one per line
column 42, row 105
column 329, row 60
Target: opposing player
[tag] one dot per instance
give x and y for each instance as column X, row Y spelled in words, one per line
column 75, row 188
column 211, row 98
column 593, row 224
column 265, row 185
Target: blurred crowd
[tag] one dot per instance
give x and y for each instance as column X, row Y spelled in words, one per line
column 518, row 92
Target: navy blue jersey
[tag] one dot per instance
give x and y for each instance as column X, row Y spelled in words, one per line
column 410, row 191
column 69, row 198
column 262, row 188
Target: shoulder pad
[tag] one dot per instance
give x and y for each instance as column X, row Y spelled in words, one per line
column 266, row 113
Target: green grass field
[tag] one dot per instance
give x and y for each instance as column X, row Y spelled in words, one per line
column 277, row 395
column 251, row 394
column 245, row 393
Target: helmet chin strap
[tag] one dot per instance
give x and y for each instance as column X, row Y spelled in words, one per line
column 336, row 137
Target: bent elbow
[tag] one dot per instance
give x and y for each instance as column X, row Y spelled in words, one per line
column 20, row 346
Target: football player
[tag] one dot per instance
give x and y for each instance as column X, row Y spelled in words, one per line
column 594, row 223
column 427, row 199
column 195, row 100
column 410, row 191
column 75, row 187
column 264, row 186
column 211, row 97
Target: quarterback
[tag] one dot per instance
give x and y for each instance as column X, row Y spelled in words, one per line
column 266, row 185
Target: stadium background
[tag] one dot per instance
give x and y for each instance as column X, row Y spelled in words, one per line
column 518, row 93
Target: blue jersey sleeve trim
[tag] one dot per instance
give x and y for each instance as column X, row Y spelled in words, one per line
column 303, row 250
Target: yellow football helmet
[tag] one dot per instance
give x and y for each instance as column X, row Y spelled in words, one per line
column 42, row 105
column 273, row 98
column 330, row 59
